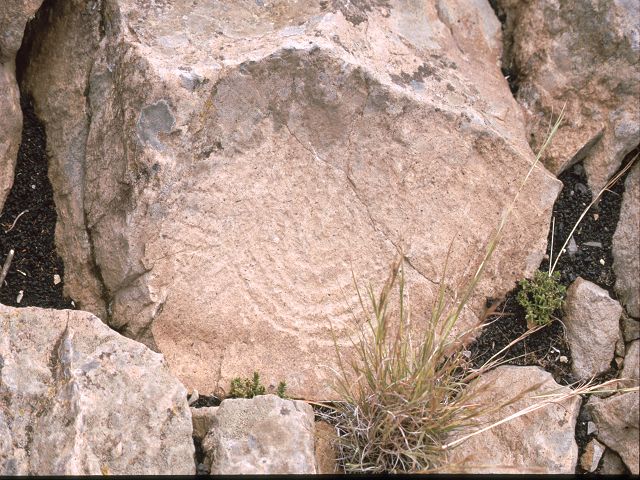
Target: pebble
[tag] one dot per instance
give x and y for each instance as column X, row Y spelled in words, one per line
column 602, row 261
column 20, row 295
column 593, row 244
column 591, row 428
column 56, row 279
column 563, row 359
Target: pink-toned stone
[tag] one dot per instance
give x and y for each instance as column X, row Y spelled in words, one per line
column 14, row 15
column 591, row 318
column 617, row 419
column 221, row 170
column 626, row 245
column 542, row 441
column 582, row 55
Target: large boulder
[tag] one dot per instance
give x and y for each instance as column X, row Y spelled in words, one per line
column 591, row 318
column 76, row 398
column 542, row 441
column 585, row 54
column 221, row 170
column 14, row 15
column 626, row 245
column 262, row 435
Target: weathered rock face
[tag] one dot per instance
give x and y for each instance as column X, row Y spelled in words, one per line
column 626, row 245
column 14, row 15
column 631, row 368
column 263, row 435
column 540, row 442
column 76, row 398
column 591, row 318
column 222, row 168
column 585, row 53
column 617, row 419
column 592, row 454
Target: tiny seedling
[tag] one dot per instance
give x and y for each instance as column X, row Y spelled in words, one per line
column 252, row 387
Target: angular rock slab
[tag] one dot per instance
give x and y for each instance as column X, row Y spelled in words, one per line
column 591, row 318
column 14, row 15
column 626, row 245
column 221, row 169
column 262, row 435
column 542, row 441
column 617, row 418
column 77, row 398
column 584, row 53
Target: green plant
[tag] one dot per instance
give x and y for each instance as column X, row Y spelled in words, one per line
column 252, row 387
column 541, row 296
column 405, row 396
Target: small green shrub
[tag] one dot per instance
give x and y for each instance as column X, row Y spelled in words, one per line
column 252, row 387
column 541, row 296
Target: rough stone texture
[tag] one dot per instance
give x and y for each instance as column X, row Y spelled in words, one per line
column 222, row 168
column 592, row 454
column 591, row 318
column 202, row 419
column 76, row 398
column 262, row 435
column 612, row 464
column 617, row 419
column 626, row 245
column 631, row 369
column 14, row 15
column 540, row 442
column 325, row 449
column 585, row 53
column 630, row 328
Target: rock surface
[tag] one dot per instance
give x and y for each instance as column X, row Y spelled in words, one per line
column 630, row 328
column 584, row 53
column 591, row 457
column 617, row 419
column 222, row 169
column 631, row 369
column 325, row 448
column 76, row 398
column 612, row 464
column 14, row 15
column 539, row 442
column 202, row 419
column 591, row 318
column 262, row 435
column 626, row 245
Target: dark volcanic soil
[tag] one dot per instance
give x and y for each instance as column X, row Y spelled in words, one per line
column 35, row 262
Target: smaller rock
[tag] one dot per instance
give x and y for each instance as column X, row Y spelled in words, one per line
column 262, row 435
column 542, row 441
column 592, row 321
column 631, row 368
column 592, row 454
column 563, row 359
column 193, row 398
column 202, row 419
column 56, row 279
column 593, row 244
column 325, row 449
column 617, row 420
column 612, row 464
column 626, row 243
column 630, row 328
column 591, row 428
column 572, row 247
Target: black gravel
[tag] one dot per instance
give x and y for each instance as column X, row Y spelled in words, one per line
column 35, row 262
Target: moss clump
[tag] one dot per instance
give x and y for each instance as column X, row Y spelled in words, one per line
column 251, row 387
column 541, row 296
